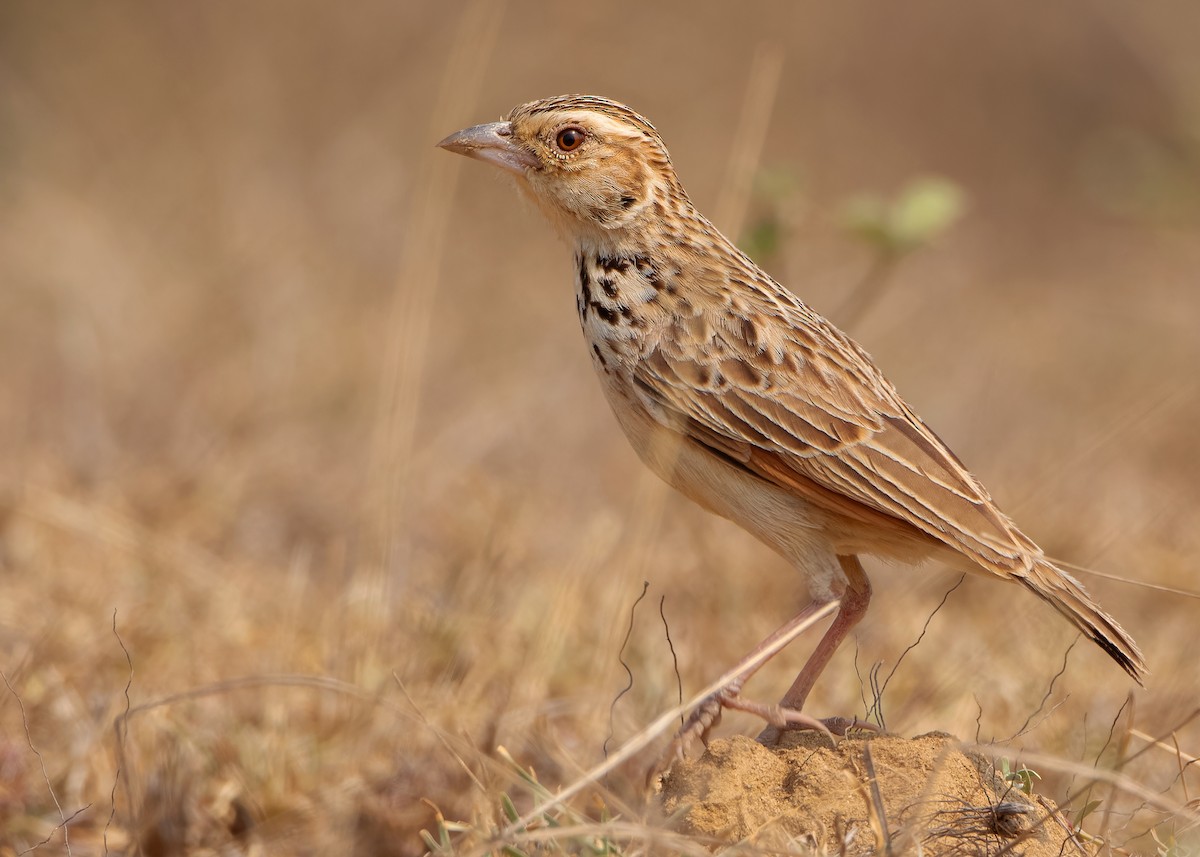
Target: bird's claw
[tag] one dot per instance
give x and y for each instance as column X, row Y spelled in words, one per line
column 708, row 714
column 700, row 723
column 839, row 726
column 842, row 726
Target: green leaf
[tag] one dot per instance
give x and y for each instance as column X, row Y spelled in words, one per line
column 924, row 210
column 1088, row 808
column 510, row 811
column 430, row 842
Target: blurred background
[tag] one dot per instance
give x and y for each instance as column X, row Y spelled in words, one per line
column 303, row 466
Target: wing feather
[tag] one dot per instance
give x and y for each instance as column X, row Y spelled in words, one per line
column 806, row 408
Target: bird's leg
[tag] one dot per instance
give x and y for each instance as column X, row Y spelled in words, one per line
column 853, row 606
column 786, row 714
column 708, row 713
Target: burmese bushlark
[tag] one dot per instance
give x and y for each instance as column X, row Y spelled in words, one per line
column 743, row 398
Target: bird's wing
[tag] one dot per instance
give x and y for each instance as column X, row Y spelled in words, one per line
column 795, row 401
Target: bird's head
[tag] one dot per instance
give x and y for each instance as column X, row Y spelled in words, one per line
column 591, row 164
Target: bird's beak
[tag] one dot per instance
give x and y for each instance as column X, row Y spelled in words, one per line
column 495, row 143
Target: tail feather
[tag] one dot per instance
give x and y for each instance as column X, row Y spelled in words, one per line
column 1069, row 598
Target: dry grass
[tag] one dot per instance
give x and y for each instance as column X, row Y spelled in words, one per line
column 362, row 517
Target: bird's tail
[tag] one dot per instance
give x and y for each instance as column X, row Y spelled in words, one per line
column 1069, row 598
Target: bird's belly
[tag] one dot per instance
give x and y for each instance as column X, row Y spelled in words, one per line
column 784, row 521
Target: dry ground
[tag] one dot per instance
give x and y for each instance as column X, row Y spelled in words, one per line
column 302, row 467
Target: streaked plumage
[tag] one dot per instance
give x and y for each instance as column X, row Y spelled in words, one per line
column 739, row 395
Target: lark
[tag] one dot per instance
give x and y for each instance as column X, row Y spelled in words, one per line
column 746, row 400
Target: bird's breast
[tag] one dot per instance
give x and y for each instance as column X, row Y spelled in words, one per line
column 618, row 298
column 617, row 295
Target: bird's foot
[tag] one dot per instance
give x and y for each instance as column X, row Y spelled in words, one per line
column 708, row 714
column 840, row 726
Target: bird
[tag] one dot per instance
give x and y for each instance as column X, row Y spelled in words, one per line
column 750, row 403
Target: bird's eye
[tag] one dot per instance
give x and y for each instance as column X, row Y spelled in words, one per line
column 569, row 139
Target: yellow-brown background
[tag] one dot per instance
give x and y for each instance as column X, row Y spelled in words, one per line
column 294, row 393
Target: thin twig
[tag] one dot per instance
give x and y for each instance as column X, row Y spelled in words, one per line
column 1122, row 752
column 63, row 826
column 877, row 707
column 1046, row 696
column 612, row 706
column 120, row 731
column 662, row 603
column 45, row 775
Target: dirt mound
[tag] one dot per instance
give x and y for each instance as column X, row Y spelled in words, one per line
column 935, row 798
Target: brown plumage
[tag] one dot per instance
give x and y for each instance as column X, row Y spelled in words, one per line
column 742, row 397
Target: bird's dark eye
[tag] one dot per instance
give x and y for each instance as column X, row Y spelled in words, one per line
column 569, row 139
